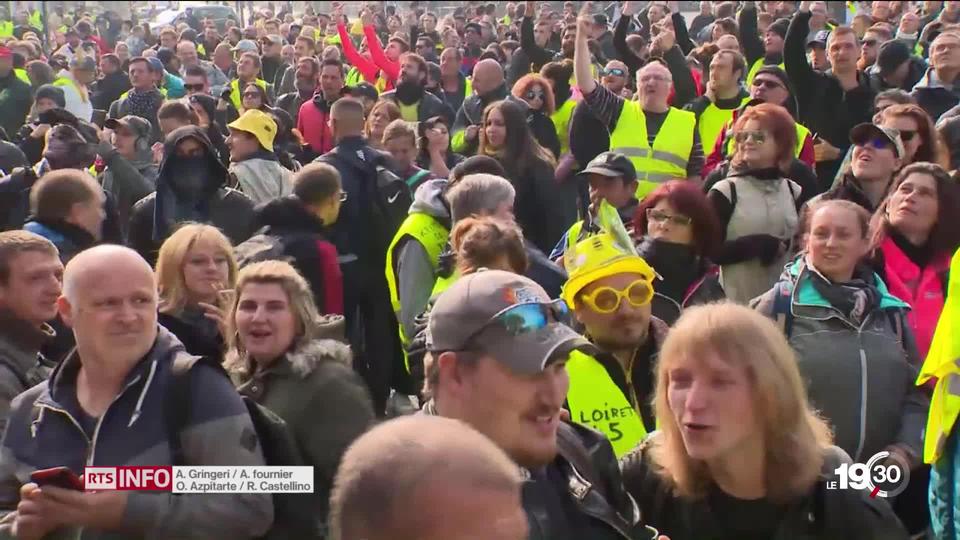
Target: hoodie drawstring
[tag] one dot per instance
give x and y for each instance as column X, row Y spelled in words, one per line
column 143, row 394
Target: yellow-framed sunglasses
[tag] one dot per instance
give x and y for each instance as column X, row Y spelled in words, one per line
column 607, row 299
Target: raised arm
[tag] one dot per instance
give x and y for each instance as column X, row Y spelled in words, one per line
column 795, row 54
column 633, row 62
column 581, row 57
column 749, row 34
column 536, row 54
column 683, row 36
column 390, row 68
column 367, row 68
column 684, row 87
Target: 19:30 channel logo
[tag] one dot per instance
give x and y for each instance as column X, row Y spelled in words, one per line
column 884, row 475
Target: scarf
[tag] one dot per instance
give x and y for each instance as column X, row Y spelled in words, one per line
column 677, row 264
column 855, row 298
column 145, row 104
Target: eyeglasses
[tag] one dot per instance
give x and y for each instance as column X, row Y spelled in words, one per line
column 757, row 136
column 533, row 95
column 193, row 87
column 766, row 83
column 607, row 299
column 615, row 71
column 658, row 216
column 907, row 135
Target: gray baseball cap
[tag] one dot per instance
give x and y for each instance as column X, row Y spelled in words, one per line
column 139, row 127
column 246, row 45
column 863, row 133
column 464, row 316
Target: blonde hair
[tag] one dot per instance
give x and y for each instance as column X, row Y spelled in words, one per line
column 299, row 296
column 173, row 253
column 794, row 436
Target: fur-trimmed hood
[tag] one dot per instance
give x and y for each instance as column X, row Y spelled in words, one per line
column 307, row 357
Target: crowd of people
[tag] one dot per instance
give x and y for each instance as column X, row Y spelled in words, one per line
column 511, row 272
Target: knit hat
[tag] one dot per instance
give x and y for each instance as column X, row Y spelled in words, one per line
column 51, row 92
column 779, row 73
column 892, row 55
column 779, row 27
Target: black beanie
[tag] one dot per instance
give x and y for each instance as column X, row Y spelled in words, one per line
column 779, row 27
column 51, row 92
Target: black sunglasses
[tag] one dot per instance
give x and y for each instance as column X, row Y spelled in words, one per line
column 533, row 95
column 615, row 71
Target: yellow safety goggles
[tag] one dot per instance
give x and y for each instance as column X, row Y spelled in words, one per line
column 607, row 299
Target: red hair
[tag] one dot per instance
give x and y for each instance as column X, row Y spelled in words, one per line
column 528, row 81
column 689, row 200
column 779, row 123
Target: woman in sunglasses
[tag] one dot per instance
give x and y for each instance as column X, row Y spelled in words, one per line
column 740, row 453
column 854, row 346
column 756, row 205
column 678, row 232
column 916, row 131
column 537, row 93
column 255, row 97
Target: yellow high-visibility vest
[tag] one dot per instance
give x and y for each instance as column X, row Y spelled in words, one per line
column 711, row 122
column 667, row 159
column 432, row 235
column 596, row 401
column 561, row 122
column 235, row 96
column 22, row 75
column 6, row 28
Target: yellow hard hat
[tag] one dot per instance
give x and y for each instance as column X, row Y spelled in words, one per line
column 597, row 257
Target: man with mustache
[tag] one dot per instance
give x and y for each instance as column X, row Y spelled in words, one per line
column 499, row 353
column 610, row 291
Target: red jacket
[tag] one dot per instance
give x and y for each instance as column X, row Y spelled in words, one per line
column 922, row 288
column 313, row 124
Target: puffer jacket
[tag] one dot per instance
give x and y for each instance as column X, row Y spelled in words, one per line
column 594, row 487
column 430, row 106
column 324, row 402
column 861, row 378
column 43, row 431
column 821, row 514
column 21, row 364
column 261, row 177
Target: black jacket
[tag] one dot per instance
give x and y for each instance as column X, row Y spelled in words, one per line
column 305, row 241
column 109, row 89
column 826, row 109
column 545, row 208
column 228, row 209
column 190, row 332
column 544, row 131
column 592, row 487
column 471, row 114
column 822, row 514
column 915, row 72
column 430, row 106
column 849, row 190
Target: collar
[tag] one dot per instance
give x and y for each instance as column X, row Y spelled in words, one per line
column 22, row 334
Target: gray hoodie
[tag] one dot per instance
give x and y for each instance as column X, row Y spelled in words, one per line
column 416, row 272
column 262, row 178
column 127, row 180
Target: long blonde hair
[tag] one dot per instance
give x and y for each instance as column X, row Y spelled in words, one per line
column 794, row 436
column 299, row 296
column 173, row 253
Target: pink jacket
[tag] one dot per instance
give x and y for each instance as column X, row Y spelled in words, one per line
column 922, row 289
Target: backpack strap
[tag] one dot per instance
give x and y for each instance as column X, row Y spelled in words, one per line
column 782, row 308
column 177, row 401
column 414, row 180
column 22, row 378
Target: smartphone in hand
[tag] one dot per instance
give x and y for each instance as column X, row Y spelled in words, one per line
column 61, row 477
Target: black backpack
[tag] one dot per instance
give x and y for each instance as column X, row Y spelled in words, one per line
column 294, row 515
column 261, row 247
column 386, row 197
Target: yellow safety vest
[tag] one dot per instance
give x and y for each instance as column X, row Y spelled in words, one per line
column 755, row 68
column 596, row 401
column 6, row 28
column 561, row 122
column 943, row 362
column 667, row 160
column 201, row 50
column 353, row 77
column 235, row 96
column 432, row 235
column 711, row 123
column 444, row 283
column 802, row 133
column 34, row 19
column 22, row 75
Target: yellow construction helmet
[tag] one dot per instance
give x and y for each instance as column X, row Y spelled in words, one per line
column 597, row 257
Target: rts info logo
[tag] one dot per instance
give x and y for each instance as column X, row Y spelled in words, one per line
column 884, row 475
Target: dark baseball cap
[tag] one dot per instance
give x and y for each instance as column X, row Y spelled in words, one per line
column 134, row 124
column 819, row 39
column 465, row 313
column 892, row 54
column 361, row 90
column 600, row 19
column 612, row 164
column 865, row 132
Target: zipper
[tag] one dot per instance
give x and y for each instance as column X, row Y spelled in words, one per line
column 96, row 430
